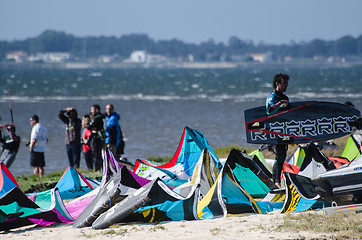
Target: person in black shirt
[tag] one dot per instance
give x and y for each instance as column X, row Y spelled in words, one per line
column 11, row 143
column 98, row 135
column 73, row 126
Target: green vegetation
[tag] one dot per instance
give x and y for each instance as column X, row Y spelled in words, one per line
column 215, row 231
column 53, row 41
column 223, row 152
column 342, row 225
column 160, row 159
column 109, row 232
column 158, row 227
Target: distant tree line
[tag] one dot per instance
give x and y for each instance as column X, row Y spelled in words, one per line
column 91, row 47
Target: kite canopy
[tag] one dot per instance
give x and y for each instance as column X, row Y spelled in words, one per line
column 122, row 184
column 250, row 173
column 193, row 185
column 7, row 180
column 180, row 168
column 17, row 210
column 73, row 184
column 353, row 148
column 156, row 201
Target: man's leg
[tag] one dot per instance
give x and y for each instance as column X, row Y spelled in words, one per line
column 70, row 155
column 41, row 171
column 280, row 155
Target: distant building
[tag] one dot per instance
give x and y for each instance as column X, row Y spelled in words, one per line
column 260, row 57
column 52, row 57
column 236, row 58
column 156, row 58
column 107, row 58
column 58, row 56
column 139, row 56
column 190, row 58
column 17, row 56
column 288, row 58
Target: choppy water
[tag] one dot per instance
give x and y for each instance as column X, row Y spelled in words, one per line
column 156, row 104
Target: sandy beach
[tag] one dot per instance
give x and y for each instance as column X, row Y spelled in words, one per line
column 263, row 226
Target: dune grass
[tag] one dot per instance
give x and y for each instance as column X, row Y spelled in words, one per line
column 346, row 225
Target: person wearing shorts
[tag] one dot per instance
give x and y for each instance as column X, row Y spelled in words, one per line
column 38, row 141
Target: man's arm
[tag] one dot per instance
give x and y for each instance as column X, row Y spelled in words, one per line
column 62, row 117
column 32, row 144
column 272, row 106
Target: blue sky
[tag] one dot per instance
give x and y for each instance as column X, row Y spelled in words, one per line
column 192, row 21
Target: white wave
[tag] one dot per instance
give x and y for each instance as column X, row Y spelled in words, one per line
column 249, row 97
column 96, row 74
column 311, row 95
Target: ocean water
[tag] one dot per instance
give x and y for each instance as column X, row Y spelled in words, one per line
column 156, row 104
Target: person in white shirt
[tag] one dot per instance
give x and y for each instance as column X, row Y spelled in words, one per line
column 38, row 141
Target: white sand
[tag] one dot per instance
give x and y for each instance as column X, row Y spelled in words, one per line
column 261, row 226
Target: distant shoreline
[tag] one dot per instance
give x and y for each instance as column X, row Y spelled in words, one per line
column 181, row 65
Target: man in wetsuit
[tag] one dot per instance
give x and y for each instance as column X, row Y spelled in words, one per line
column 278, row 101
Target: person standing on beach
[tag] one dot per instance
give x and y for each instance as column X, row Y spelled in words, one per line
column 11, row 143
column 87, row 151
column 114, row 138
column 73, row 127
column 38, row 141
column 278, row 101
column 97, row 138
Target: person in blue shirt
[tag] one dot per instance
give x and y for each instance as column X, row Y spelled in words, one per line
column 278, row 101
column 113, row 132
